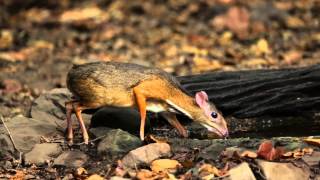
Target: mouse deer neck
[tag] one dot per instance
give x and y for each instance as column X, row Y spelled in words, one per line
column 183, row 103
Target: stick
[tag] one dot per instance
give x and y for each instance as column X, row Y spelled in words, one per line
column 9, row 133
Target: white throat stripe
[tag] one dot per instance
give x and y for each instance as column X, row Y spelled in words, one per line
column 178, row 108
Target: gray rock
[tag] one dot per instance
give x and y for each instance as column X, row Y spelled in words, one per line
column 117, row 143
column 100, row 131
column 241, row 172
column 273, row 170
column 212, row 152
column 50, row 107
column 6, row 145
column 26, row 132
column 71, row 159
column 312, row 160
column 146, row 154
column 42, row 152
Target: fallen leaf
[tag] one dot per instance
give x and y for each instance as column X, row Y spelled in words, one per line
column 81, row 171
column 145, row 174
column 249, row 154
column 307, row 150
column 237, row 20
column 10, row 86
column 292, row 57
column 261, row 47
column 79, row 14
column 254, row 62
column 6, row 39
column 95, row 177
column 294, row 22
column 268, row 152
column 207, row 169
column 225, row 38
column 313, row 141
column 165, row 165
column 18, row 176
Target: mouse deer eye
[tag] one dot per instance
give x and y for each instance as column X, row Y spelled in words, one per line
column 214, row 115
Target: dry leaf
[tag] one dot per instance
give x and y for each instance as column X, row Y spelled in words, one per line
column 225, row 38
column 18, row 176
column 249, row 154
column 237, row 20
column 6, row 39
column 294, row 22
column 80, row 14
column 95, row 177
column 307, row 150
column 261, row 47
column 313, row 141
column 81, row 171
column 207, row 169
column 194, row 50
column 268, row 152
column 144, row 174
column 254, row 62
column 292, row 57
column 165, row 165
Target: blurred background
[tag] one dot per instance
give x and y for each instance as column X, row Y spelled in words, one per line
column 40, row 40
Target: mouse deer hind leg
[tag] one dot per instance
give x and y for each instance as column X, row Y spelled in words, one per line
column 172, row 119
column 69, row 109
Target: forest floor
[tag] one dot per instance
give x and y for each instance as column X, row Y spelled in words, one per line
column 41, row 40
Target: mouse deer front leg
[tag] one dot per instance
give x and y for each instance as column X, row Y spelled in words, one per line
column 142, row 105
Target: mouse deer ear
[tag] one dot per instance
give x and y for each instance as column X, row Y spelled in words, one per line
column 201, row 98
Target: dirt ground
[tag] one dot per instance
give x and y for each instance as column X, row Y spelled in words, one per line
column 40, row 40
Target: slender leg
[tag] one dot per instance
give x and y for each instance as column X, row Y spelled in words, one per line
column 172, row 119
column 78, row 109
column 69, row 110
column 141, row 102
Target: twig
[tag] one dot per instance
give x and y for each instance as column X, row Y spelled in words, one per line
column 9, row 133
column 91, row 140
column 11, row 138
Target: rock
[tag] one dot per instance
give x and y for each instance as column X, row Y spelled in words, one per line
column 50, row 107
column 6, row 164
column 146, row 154
column 6, row 145
column 312, row 160
column 26, row 132
column 42, row 152
column 71, row 159
column 127, row 119
column 100, row 131
column 212, row 152
column 273, row 170
column 241, row 172
column 117, row 143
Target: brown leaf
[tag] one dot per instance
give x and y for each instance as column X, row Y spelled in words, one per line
column 313, row 141
column 292, row 57
column 207, row 169
column 95, row 177
column 237, row 20
column 6, row 39
column 249, row 154
column 268, row 152
column 145, row 174
column 80, row 14
column 18, row 176
column 10, row 86
column 163, row 165
column 80, row 171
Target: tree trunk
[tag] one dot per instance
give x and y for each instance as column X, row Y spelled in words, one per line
column 281, row 102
